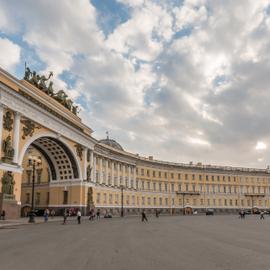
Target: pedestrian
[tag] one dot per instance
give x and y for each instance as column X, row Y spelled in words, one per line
column 144, row 218
column 98, row 214
column 52, row 213
column 262, row 215
column 157, row 213
column 91, row 214
column 65, row 216
column 79, row 214
column 46, row 215
column 3, row 214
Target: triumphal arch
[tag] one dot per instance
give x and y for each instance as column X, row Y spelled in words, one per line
column 35, row 116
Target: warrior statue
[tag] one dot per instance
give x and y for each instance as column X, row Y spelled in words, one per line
column 35, row 79
column 7, row 148
column 27, row 74
column 8, row 121
column 49, row 90
column 42, row 82
column 61, row 97
column 8, row 183
column 88, row 172
column 75, row 110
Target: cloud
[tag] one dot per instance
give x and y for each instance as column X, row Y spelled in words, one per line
column 180, row 81
column 10, row 54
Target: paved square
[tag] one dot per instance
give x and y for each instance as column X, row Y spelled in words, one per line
column 190, row 242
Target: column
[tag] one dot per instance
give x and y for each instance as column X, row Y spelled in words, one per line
column 85, row 164
column 100, row 171
column 16, row 136
column 118, row 174
column 123, row 182
column 92, row 166
column 1, row 127
column 94, row 169
column 106, row 171
column 134, row 176
column 129, row 177
column 112, row 173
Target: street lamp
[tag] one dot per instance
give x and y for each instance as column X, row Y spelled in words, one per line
column 33, row 161
column 122, row 200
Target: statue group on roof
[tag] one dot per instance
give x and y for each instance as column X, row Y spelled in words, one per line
column 41, row 83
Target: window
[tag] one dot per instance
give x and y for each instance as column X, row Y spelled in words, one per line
column 142, row 171
column 48, row 198
column 137, row 184
column 160, row 186
column 200, row 177
column 127, row 199
column 160, row 201
column 110, row 199
column 149, row 201
column 172, row 187
column 186, row 187
column 218, row 179
column 159, row 174
column 142, row 184
column 172, row 175
column 165, row 175
column 116, row 198
column 143, row 201
column 193, row 187
column 65, row 197
column 148, row 185
column 206, row 177
column 98, row 197
column 166, row 201
column 186, row 177
column 166, row 187
column 155, row 200
column 27, row 198
column 148, row 173
column 193, row 177
column 179, row 187
column 154, row 174
column 179, row 176
column 154, row 186
column 29, row 173
column 104, row 197
column 37, row 198
column 213, row 178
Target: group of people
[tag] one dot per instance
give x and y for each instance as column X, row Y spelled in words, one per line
column 242, row 214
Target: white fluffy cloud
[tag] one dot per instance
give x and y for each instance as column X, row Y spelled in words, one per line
column 10, row 54
column 183, row 82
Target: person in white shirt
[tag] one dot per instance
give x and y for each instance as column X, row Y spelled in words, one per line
column 79, row 214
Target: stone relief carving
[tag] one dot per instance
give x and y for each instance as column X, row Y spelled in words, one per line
column 79, row 150
column 8, row 121
column 8, row 183
column 29, row 128
column 8, row 149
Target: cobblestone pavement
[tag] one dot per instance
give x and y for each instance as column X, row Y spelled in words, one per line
column 186, row 243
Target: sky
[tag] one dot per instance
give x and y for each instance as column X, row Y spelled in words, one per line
column 180, row 80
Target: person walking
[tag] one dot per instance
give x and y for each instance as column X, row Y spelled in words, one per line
column 46, row 215
column 65, row 216
column 79, row 214
column 144, row 218
column 98, row 214
column 52, row 213
column 262, row 215
column 3, row 214
column 157, row 213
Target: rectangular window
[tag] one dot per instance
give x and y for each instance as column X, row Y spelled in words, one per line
column 104, row 197
column 154, row 174
column 193, row 177
column 186, row 187
column 160, row 201
column 37, row 198
column 155, row 200
column 160, row 186
column 179, row 176
column 206, row 177
column 143, row 201
column 148, row 173
column 172, row 175
column 200, row 177
column 166, row 201
column 142, row 171
column 179, row 187
column 213, row 178
column 166, row 187
column 172, row 186
column 159, row 174
column 98, row 197
column 149, row 201
column 27, row 198
column 186, row 177
column 110, row 199
column 154, row 186
column 65, row 197
column 148, row 185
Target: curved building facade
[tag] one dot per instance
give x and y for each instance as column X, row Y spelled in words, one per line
column 77, row 171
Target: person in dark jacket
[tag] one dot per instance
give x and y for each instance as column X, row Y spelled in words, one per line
column 144, row 218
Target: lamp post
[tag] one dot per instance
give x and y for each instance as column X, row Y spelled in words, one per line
column 33, row 161
column 122, row 200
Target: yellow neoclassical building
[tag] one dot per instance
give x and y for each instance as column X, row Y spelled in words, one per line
column 74, row 170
